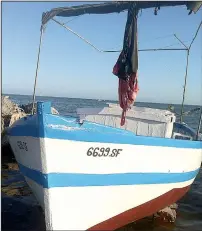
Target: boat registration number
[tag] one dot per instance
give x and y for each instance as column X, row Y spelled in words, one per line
column 22, row 145
column 103, row 152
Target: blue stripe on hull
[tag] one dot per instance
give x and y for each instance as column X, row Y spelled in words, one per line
column 52, row 180
column 89, row 132
column 94, row 136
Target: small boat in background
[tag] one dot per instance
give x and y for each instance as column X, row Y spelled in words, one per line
column 90, row 173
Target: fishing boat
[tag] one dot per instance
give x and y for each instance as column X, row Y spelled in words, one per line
column 88, row 172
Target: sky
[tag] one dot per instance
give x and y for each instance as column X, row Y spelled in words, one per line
column 71, row 68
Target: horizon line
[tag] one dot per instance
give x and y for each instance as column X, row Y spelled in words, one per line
column 101, row 99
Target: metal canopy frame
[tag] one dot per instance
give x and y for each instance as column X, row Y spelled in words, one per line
column 115, row 7
column 112, row 7
column 112, row 51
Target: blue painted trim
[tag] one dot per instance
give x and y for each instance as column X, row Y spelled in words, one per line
column 88, row 132
column 94, row 136
column 53, row 180
column 185, row 128
column 43, row 108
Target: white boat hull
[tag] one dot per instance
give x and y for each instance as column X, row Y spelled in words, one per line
column 85, row 184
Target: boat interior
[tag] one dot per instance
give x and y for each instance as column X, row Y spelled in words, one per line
column 142, row 121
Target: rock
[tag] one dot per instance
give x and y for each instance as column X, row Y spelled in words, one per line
column 167, row 214
column 16, row 116
column 28, row 109
column 8, row 107
column 11, row 112
column 54, row 111
column 2, row 124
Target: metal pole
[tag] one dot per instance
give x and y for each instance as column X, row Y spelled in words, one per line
column 164, row 49
column 195, row 34
column 37, row 68
column 66, row 27
column 112, row 51
column 181, row 41
column 188, row 51
column 185, row 83
column 199, row 125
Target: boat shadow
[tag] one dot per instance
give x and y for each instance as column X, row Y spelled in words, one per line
column 19, row 208
column 18, row 215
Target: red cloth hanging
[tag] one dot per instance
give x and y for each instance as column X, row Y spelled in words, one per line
column 127, row 94
column 127, row 64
